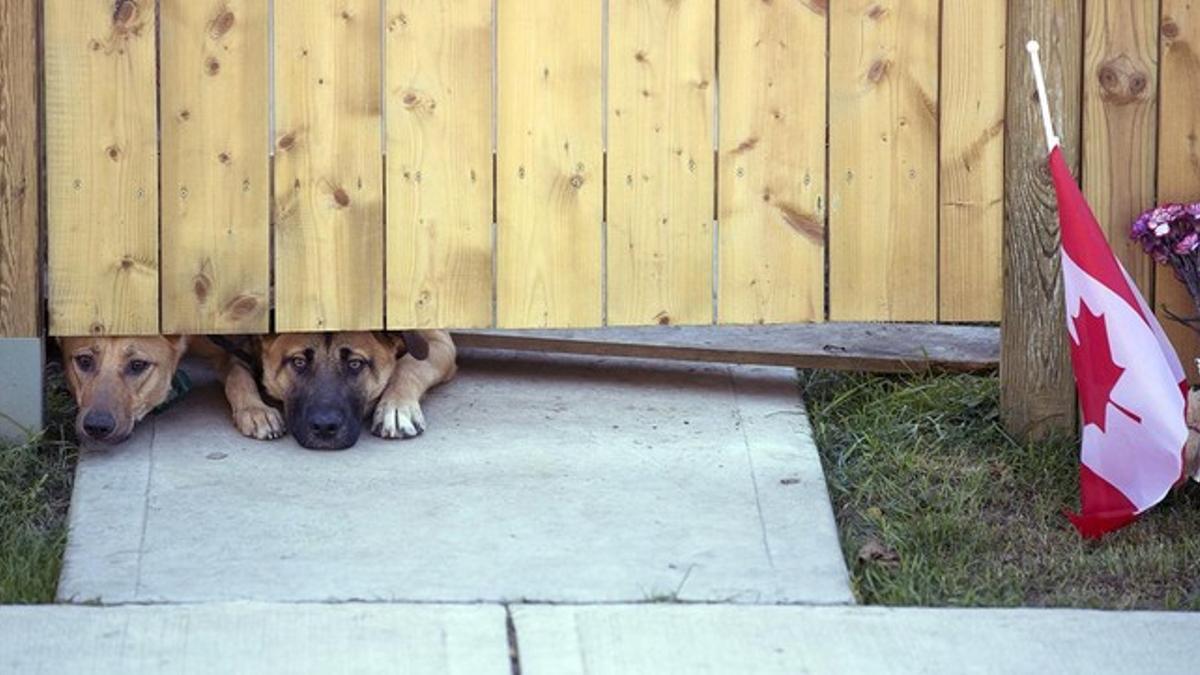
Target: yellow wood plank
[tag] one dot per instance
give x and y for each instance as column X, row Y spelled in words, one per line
column 1179, row 156
column 20, row 269
column 660, row 144
column 550, row 171
column 883, row 160
column 215, row 174
column 328, row 166
column 972, row 160
column 771, row 194
column 101, row 167
column 1119, row 122
column 439, row 169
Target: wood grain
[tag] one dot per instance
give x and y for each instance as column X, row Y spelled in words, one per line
column 102, row 167
column 215, row 175
column 882, row 348
column 1037, row 393
column 883, row 160
column 661, row 81
column 550, row 164
column 771, row 194
column 439, row 171
column 971, row 230
column 328, row 166
column 1120, row 116
column 1179, row 156
column 20, row 294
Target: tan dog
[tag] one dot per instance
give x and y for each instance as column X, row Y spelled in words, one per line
column 116, row 381
column 329, row 382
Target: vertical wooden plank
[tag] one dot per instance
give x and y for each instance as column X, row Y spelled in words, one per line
column 102, row 166
column 660, row 143
column 1037, row 394
column 1120, row 119
column 970, row 287
column 1179, row 156
column 215, row 166
column 550, row 171
column 439, row 170
column 883, row 160
column 771, row 194
column 20, row 296
column 328, row 166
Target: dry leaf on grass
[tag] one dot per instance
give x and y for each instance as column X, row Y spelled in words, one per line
column 874, row 552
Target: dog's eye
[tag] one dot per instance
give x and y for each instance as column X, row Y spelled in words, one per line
column 299, row 362
column 356, row 364
column 137, row 366
column 85, row 362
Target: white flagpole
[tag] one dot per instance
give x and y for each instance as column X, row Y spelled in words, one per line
column 1040, row 80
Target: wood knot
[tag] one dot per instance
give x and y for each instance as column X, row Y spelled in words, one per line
column 876, row 12
column 1169, row 29
column 185, row 115
column 127, row 263
column 640, row 56
column 223, row 158
column 662, row 318
column 201, row 285
column 212, row 66
column 878, row 71
column 1121, row 80
column 287, row 141
column 340, row 196
column 97, row 328
column 222, row 24
column 125, row 11
column 576, row 181
column 113, row 152
column 242, row 306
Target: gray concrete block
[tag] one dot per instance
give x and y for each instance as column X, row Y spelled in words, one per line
column 21, row 406
column 565, row 479
column 254, row 638
column 628, row 640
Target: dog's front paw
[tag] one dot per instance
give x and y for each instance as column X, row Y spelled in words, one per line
column 261, row 422
column 398, row 419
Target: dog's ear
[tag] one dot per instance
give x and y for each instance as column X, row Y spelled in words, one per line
column 265, row 342
column 415, row 344
column 178, row 344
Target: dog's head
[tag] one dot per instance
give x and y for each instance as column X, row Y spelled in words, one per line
column 117, row 380
column 328, row 382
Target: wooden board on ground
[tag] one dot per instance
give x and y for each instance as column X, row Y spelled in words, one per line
column 771, row 197
column 20, row 295
column 1120, row 115
column 1179, row 157
column 660, row 150
column 883, row 113
column 328, row 166
column 102, row 167
column 550, row 164
column 215, row 202
column 885, row 348
column 1037, row 392
column 439, row 168
column 971, row 232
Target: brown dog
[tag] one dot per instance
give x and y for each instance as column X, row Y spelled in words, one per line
column 329, row 382
column 116, row 381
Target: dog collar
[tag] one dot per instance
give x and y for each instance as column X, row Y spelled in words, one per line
column 180, row 385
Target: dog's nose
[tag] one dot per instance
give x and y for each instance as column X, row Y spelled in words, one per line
column 99, row 424
column 326, row 423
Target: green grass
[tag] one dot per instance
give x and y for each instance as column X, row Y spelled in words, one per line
column 35, row 489
column 919, row 468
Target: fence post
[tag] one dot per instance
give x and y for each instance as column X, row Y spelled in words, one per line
column 21, row 348
column 1037, row 394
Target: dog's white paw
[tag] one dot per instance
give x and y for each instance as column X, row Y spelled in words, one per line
column 398, row 419
column 262, row 422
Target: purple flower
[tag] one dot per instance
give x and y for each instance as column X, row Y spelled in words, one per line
column 1188, row 243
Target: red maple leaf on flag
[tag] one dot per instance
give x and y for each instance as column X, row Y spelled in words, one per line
column 1096, row 374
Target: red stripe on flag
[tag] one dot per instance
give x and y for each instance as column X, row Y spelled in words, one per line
column 1081, row 235
column 1102, row 507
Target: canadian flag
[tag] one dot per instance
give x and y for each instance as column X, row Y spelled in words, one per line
column 1132, row 391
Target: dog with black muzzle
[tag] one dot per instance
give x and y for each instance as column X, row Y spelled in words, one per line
column 329, row 383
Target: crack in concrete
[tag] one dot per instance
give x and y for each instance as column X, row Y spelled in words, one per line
column 741, row 422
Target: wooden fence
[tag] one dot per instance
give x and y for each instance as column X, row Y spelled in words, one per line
column 467, row 163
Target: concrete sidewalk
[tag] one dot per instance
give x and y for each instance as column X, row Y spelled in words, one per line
column 558, row 479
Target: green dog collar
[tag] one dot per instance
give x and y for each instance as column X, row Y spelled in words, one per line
column 180, row 385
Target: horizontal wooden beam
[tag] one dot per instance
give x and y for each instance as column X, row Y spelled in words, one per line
column 883, row 348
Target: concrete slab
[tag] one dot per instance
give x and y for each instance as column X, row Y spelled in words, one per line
column 564, row 479
column 739, row 639
column 21, row 407
column 254, row 638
